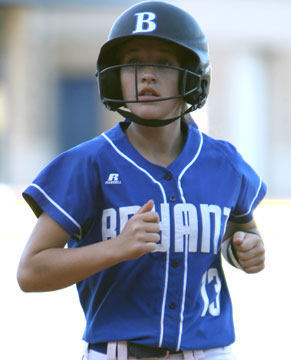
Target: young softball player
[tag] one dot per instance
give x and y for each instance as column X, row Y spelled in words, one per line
column 147, row 208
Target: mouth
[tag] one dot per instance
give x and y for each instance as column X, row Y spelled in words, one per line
column 147, row 93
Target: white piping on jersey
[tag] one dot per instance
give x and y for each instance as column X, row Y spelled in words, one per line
column 184, row 292
column 164, row 299
column 251, row 206
column 187, row 167
column 60, row 209
column 186, row 244
column 168, row 255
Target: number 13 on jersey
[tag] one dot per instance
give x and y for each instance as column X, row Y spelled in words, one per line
column 211, row 275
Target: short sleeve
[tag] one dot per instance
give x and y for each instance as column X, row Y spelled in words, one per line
column 252, row 189
column 66, row 190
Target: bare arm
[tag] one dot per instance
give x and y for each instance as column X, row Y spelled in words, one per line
column 47, row 265
column 248, row 245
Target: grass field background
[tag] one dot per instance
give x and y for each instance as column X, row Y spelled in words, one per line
column 49, row 326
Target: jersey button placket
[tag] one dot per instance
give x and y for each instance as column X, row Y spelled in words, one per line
column 172, row 315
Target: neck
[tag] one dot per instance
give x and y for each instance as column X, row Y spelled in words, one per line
column 160, row 145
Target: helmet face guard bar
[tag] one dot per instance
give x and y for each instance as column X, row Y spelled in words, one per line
column 188, row 84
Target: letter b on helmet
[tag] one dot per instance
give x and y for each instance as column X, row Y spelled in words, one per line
column 144, row 22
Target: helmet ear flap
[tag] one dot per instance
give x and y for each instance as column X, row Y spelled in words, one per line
column 201, row 96
column 204, row 89
column 196, row 87
column 193, row 82
column 110, row 87
column 192, row 85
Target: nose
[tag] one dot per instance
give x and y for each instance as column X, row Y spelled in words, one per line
column 147, row 74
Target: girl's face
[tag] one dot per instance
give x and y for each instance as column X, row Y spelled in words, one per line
column 152, row 82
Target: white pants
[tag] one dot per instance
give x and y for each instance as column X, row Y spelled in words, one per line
column 222, row 353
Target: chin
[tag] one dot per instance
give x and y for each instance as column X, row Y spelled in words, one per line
column 148, row 116
column 146, row 112
column 150, row 111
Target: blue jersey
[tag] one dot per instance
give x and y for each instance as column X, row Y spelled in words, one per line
column 175, row 297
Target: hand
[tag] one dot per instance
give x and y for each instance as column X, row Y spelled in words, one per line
column 140, row 234
column 250, row 251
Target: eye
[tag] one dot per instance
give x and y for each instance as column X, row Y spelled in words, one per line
column 132, row 61
column 168, row 60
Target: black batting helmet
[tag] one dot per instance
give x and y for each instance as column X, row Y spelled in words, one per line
column 163, row 21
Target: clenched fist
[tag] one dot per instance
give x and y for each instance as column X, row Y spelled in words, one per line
column 140, row 234
column 250, row 251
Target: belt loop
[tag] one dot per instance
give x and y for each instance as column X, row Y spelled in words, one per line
column 111, row 350
column 122, row 350
column 188, row 355
column 86, row 349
